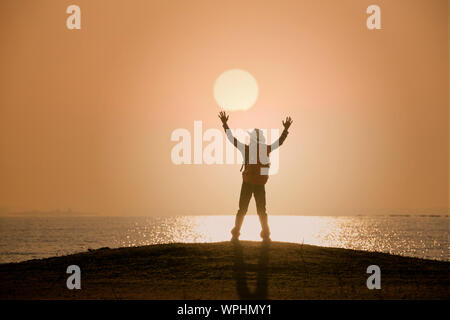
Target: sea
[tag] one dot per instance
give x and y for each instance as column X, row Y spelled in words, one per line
column 25, row 238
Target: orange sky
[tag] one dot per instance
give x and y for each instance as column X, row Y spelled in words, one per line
column 86, row 115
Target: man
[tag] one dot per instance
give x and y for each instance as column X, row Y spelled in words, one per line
column 255, row 174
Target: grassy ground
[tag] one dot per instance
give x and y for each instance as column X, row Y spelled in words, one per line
column 226, row 271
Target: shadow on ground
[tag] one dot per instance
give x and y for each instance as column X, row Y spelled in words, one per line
column 241, row 269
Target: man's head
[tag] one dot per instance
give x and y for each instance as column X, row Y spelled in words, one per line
column 257, row 136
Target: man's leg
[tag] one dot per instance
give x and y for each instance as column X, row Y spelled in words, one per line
column 244, row 200
column 260, row 198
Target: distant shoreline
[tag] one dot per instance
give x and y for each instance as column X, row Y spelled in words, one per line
column 75, row 215
column 222, row 270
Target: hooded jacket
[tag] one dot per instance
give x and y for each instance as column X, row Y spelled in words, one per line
column 255, row 154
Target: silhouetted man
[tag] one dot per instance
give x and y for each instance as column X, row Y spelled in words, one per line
column 255, row 174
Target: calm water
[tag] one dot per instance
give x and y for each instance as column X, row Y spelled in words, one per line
column 24, row 238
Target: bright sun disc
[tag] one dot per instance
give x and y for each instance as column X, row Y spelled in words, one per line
column 235, row 89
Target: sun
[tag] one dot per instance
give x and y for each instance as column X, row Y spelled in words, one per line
column 235, row 89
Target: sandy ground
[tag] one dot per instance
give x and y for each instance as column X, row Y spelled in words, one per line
column 226, row 271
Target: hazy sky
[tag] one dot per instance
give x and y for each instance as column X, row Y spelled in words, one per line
column 86, row 115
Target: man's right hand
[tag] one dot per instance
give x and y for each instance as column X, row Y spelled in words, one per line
column 223, row 117
column 287, row 123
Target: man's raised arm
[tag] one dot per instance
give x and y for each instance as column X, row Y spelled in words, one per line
column 286, row 124
column 224, row 118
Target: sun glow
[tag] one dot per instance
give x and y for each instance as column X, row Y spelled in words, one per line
column 235, row 89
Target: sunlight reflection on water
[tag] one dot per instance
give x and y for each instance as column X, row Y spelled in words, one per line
column 29, row 237
column 398, row 235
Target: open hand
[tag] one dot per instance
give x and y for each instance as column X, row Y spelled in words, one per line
column 223, row 117
column 287, row 123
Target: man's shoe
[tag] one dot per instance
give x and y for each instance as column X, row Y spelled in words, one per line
column 266, row 240
column 265, row 235
column 235, row 235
